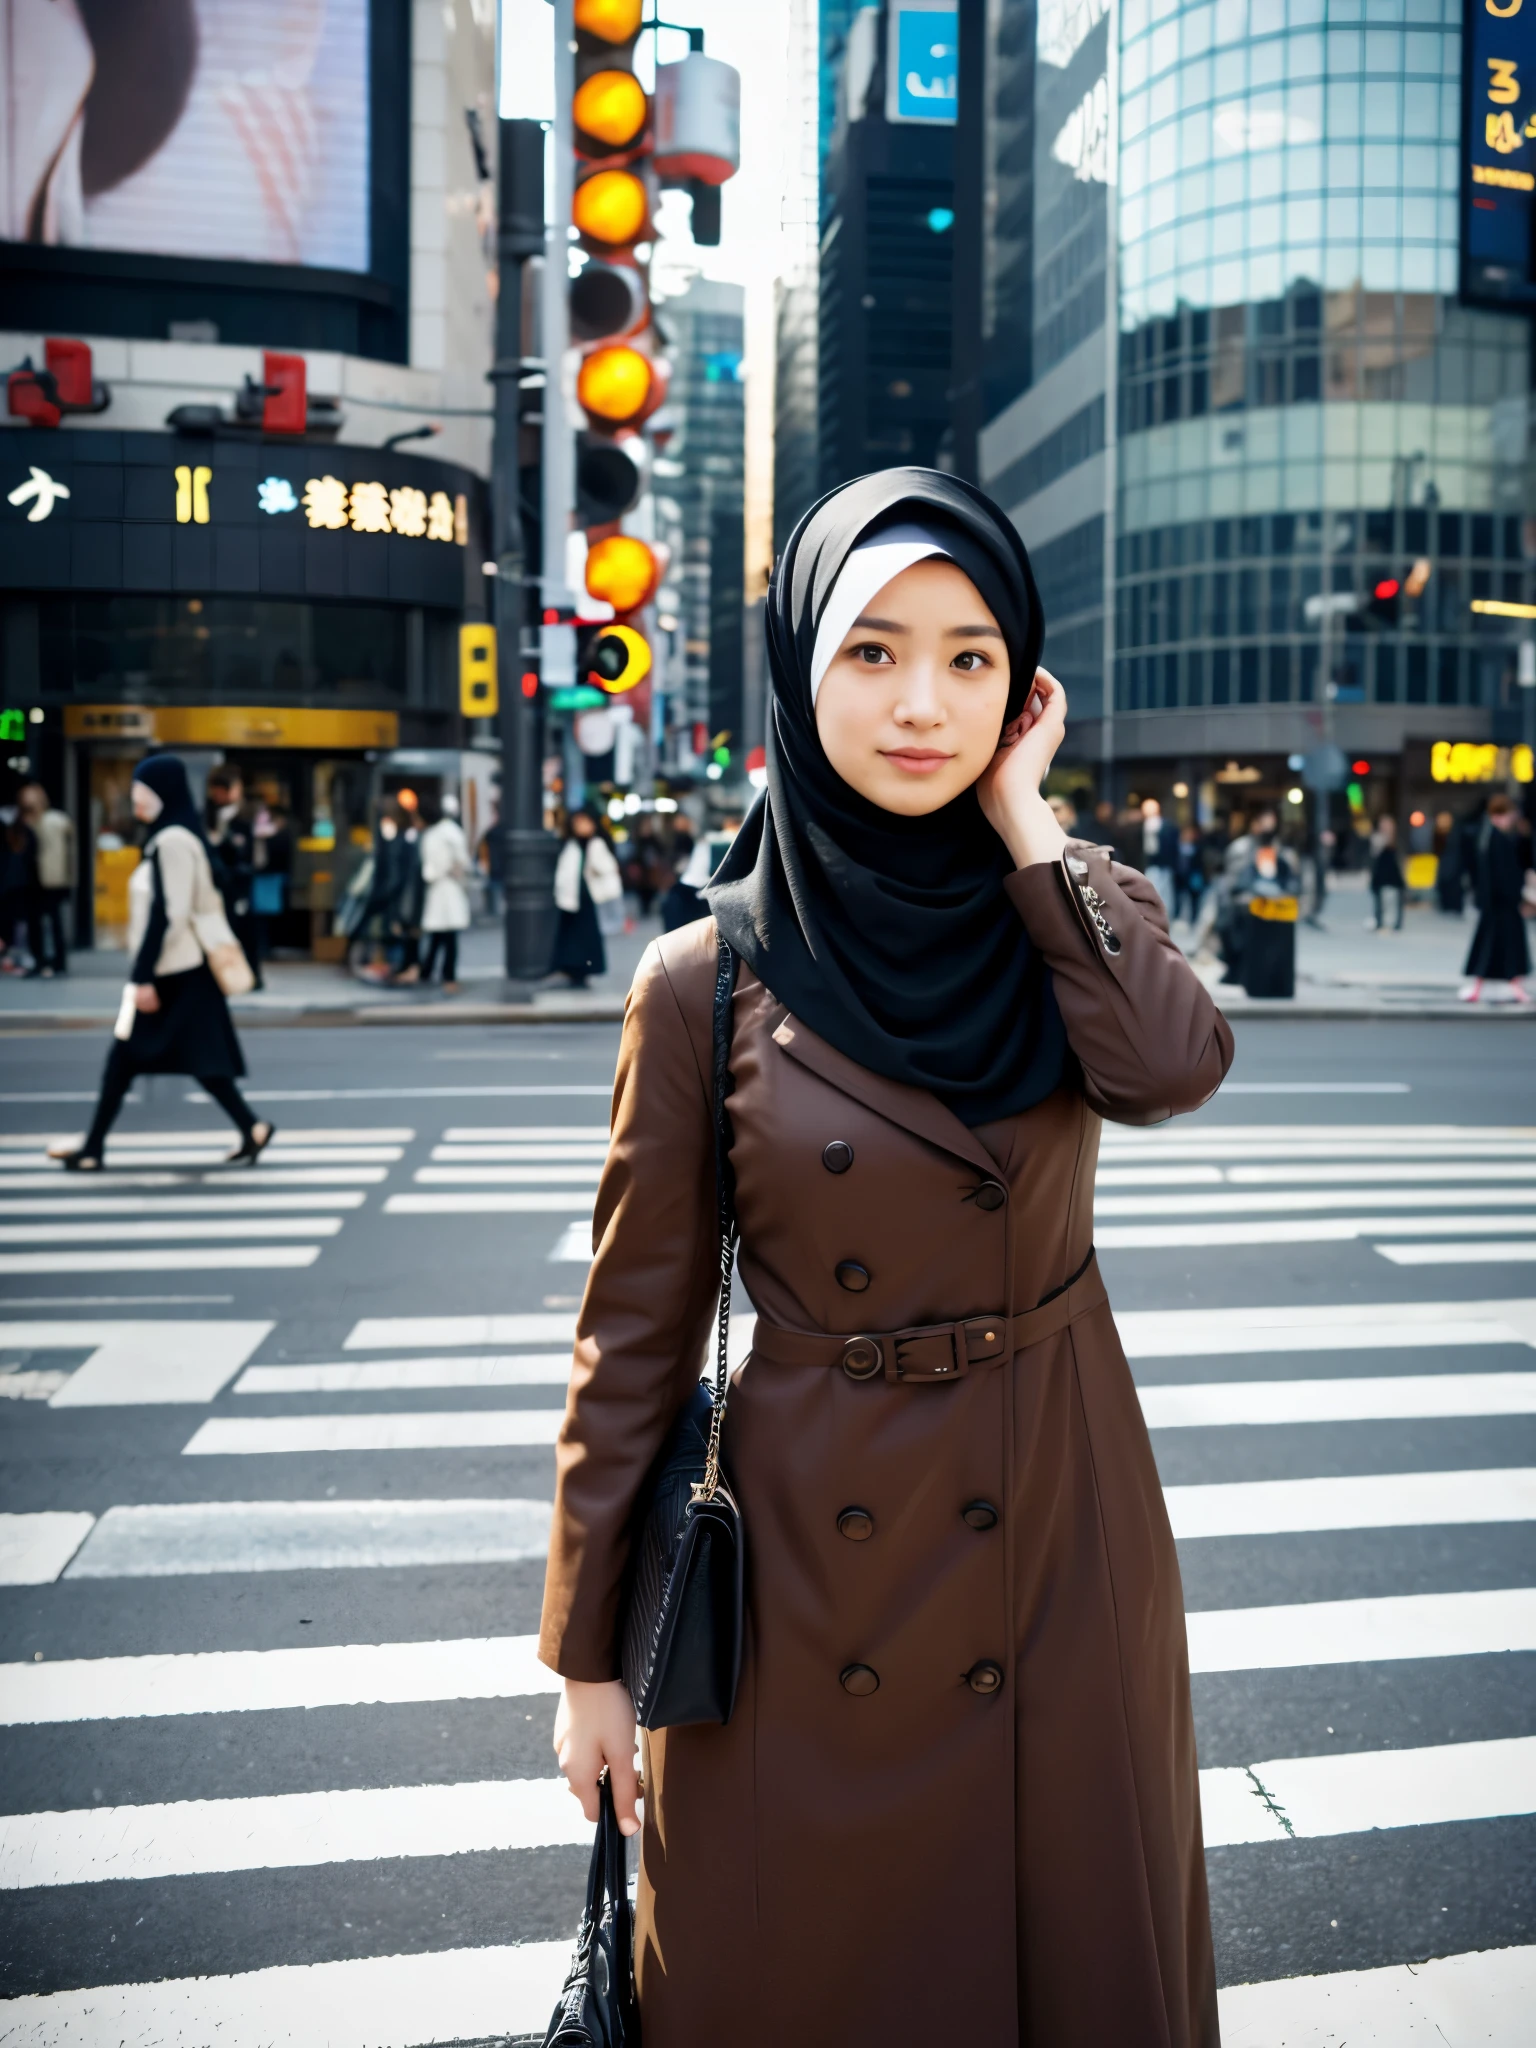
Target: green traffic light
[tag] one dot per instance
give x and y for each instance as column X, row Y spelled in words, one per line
column 722, row 757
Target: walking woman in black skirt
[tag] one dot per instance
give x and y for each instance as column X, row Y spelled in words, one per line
column 174, row 1018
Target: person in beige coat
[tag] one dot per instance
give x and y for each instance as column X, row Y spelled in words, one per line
column 957, row 1799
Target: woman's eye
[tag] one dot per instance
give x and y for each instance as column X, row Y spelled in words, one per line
column 970, row 661
column 873, row 656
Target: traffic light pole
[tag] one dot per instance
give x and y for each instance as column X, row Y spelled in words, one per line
column 530, row 851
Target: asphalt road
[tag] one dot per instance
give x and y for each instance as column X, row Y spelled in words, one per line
column 369, row 1843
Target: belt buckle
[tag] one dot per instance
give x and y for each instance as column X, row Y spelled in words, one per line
column 900, row 1369
column 863, row 1357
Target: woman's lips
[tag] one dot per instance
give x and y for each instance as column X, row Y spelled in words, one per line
column 916, row 760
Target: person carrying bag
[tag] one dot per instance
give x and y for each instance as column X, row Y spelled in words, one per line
column 174, row 1018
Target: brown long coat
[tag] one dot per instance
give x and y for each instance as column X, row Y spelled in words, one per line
column 1000, row 1843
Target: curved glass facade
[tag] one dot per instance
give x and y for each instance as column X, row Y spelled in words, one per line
column 1302, row 405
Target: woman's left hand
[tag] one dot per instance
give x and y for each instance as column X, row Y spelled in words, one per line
column 146, row 998
column 1009, row 786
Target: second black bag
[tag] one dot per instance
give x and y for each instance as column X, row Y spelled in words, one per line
column 683, row 1625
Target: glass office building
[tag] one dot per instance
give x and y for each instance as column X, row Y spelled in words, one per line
column 1260, row 393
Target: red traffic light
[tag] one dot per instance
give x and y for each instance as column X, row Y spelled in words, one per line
column 1387, row 588
column 1360, row 767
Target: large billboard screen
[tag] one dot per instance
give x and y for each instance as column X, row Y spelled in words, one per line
column 233, row 129
column 1498, row 168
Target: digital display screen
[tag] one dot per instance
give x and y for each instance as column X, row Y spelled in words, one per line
column 233, row 129
column 923, row 61
column 1498, row 210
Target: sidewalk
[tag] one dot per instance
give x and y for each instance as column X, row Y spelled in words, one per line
column 1343, row 970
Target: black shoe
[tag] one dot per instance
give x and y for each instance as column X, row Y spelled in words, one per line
column 78, row 1161
column 252, row 1145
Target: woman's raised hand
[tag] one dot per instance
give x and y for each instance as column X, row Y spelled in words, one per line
column 146, row 997
column 595, row 1727
column 1009, row 787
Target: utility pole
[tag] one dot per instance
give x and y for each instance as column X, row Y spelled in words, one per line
column 529, row 849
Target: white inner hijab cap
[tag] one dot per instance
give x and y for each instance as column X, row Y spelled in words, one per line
column 869, row 568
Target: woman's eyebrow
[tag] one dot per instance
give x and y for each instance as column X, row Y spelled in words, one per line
column 880, row 625
column 972, row 633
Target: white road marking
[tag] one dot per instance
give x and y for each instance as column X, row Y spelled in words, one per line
column 217, row 1137
column 1365, row 1789
column 264, row 1681
column 1163, row 1177
column 1361, row 1631
column 1290, row 1201
column 603, row 1088
column 213, row 1204
column 1492, row 1253
column 1344, row 1151
column 501, row 1176
column 139, row 1363
column 1471, row 1998
column 1414, row 1396
column 1375, row 1500
column 1327, row 1326
column 1441, row 1171
column 423, row 1333
column 161, row 1227
column 389, row 1375
column 1322, row 1230
column 259, row 1436
column 463, row 1994
column 1189, row 1130
column 286, row 1831
column 192, row 1260
column 573, row 1246
column 491, row 1155
column 199, row 1537
column 295, row 1155
column 493, row 1134
column 525, row 1204
column 54, row 1181
column 34, row 1549
column 1316, row 1088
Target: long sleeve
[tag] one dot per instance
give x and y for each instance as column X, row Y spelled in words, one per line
column 644, row 1319
column 1150, row 1041
column 144, row 962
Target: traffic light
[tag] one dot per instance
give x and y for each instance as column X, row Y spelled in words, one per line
column 1385, row 601
column 612, row 658
column 478, row 697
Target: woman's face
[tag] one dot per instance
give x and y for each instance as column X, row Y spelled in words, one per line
column 911, row 707
column 582, row 825
column 146, row 805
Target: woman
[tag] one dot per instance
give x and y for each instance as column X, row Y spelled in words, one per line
column 445, row 910
column 1499, row 950
column 586, row 874
column 957, row 1799
column 1386, row 873
column 174, row 1018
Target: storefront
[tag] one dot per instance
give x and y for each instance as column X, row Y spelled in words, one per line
column 289, row 610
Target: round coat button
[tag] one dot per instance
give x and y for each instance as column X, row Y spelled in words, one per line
column 991, row 1195
column 979, row 1514
column 861, row 1358
column 838, row 1156
column 857, row 1524
column 861, row 1681
column 852, row 1275
column 984, row 1677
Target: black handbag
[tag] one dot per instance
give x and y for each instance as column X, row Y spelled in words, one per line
column 681, row 1649
column 597, row 2008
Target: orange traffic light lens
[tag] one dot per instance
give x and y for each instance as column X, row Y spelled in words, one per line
column 621, row 571
column 610, row 207
column 611, row 21
column 623, row 658
column 610, row 107
column 613, row 383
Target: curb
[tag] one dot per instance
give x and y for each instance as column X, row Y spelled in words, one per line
column 602, row 1010
column 1341, row 1013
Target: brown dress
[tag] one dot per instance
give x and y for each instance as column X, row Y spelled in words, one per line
column 957, row 1801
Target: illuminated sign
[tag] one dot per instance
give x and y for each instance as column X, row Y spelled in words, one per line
column 275, row 494
column 192, row 494
column 923, row 61
column 1498, row 196
column 43, row 491
column 1466, row 761
column 13, row 728
column 370, row 508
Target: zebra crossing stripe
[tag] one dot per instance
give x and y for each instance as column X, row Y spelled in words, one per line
column 260, row 1436
column 34, row 1549
column 1491, row 1253
column 425, row 1333
column 141, row 1363
column 1330, row 1326
column 1302, row 1797
column 1376, row 1500
column 286, row 1831
column 212, row 1204
column 1487, row 1997
column 463, row 1994
column 1374, row 1631
column 260, row 1681
column 506, row 1176
column 161, row 1227
column 1138, row 1237
column 549, row 1201
column 194, row 1259
column 391, row 1375
column 1291, row 1201
column 1416, row 1396
column 292, row 1155
column 217, row 1136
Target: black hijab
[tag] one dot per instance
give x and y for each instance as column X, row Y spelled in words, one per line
column 166, row 775
column 890, row 936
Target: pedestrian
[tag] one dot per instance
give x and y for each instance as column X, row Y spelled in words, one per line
column 445, row 909
column 174, row 1018
column 586, row 874
column 18, row 892
column 682, row 903
column 1232, row 907
column 957, row 1799
column 1450, row 876
column 54, row 832
column 1189, row 876
column 231, row 842
column 1270, row 890
column 1499, row 949
column 410, row 891
column 1160, row 849
column 492, row 855
column 1386, row 874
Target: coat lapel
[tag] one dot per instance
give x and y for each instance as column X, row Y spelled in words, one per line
column 915, row 1109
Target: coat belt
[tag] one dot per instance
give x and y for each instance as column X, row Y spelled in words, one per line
column 931, row 1353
